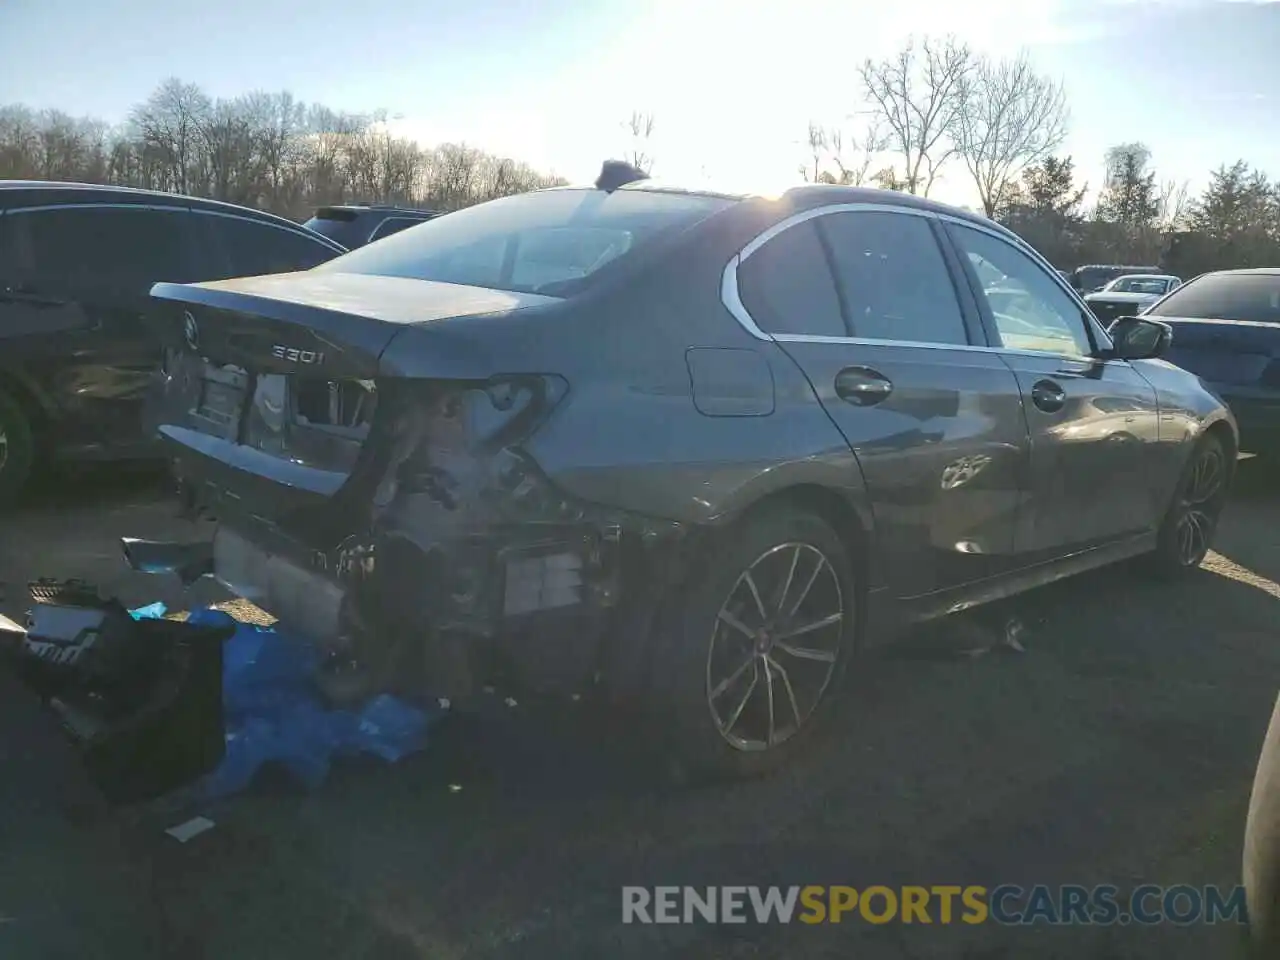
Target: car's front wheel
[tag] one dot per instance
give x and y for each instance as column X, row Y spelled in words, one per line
column 1192, row 521
column 762, row 642
column 17, row 448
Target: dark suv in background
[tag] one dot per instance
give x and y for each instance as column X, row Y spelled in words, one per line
column 77, row 263
column 354, row 225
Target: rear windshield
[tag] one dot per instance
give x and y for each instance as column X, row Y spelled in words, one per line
column 1240, row 296
column 330, row 227
column 549, row 242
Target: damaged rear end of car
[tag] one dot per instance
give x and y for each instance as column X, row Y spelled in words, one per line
column 363, row 442
column 389, row 517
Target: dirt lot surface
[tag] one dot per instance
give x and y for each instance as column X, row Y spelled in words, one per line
column 1118, row 749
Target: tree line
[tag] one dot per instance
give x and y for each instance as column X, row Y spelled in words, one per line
column 936, row 103
column 264, row 150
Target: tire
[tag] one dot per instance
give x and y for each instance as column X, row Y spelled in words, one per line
column 1261, row 862
column 710, row 676
column 17, row 449
column 1187, row 532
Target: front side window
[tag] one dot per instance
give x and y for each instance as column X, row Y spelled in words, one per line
column 1031, row 311
column 550, row 242
column 893, row 277
column 1225, row 296
column 787, row 287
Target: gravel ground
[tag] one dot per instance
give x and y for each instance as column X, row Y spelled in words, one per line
column 1118, row 749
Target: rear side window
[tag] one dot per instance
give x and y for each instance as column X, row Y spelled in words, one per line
column 1225, row 296
column 252, row 248
column 894, row 279
column 392, row 225
column 787, row 286
column 100, row 248
column 550, row 242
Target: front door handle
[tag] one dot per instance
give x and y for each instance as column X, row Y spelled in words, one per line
column 1048, row 396
column 862, row 386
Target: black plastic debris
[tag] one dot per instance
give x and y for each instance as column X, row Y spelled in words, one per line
column 141, row 699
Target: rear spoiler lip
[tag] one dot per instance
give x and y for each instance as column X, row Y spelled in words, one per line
column 339, row 329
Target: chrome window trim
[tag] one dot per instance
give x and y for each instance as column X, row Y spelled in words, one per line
column 732, row 298
column 298, row 231
column 41, row 208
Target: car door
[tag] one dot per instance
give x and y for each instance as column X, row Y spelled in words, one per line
column 1093, row 422
column 83, row 273
column 247, row 247
column 863, row 300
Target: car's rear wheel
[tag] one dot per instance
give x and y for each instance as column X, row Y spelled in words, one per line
column 17, row 448
column 761, row 646
column 1189, row 527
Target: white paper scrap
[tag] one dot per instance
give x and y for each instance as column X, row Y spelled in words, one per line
column 192, row 828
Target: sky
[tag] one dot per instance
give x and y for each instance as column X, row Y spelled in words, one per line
column 732, row 84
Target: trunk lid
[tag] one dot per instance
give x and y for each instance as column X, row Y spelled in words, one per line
column 1234, row 352
column 270, row 386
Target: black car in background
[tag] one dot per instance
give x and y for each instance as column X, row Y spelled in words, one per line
column 698, row 449
column 1095, row 276
column 354, row 225
column 77, row 263
column 1226, row 329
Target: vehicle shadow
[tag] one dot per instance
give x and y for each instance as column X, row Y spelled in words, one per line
column 96, row 485
column 1118, row 748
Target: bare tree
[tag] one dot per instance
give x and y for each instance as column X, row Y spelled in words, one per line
column 1009, row 118
column 917, row 95
column 817, row 143
column 171, row 122
column 266, row 150
column 850, row 155
column 640, row 127
column 1173, row 205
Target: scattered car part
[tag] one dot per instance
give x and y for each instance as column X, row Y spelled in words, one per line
column 140, row 699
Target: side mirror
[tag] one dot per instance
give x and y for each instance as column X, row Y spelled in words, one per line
column 1139, row 338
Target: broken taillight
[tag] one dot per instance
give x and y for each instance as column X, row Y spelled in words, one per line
column 450, row 430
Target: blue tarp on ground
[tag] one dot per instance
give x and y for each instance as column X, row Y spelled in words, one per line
column 273, row 712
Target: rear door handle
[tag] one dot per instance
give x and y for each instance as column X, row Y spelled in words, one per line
column 862, row 386
column 1048, row 396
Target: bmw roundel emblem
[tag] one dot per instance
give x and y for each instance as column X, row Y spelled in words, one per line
column 191, row 330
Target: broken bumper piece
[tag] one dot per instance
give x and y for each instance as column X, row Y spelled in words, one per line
column 140, row 699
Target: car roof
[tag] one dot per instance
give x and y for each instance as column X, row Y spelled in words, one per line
column 810, row 195
column 1246, row 272
column 68, row 189
column 1145, row 276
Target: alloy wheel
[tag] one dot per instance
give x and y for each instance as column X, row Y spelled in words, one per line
column 775, row 646
column 1199, row 506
